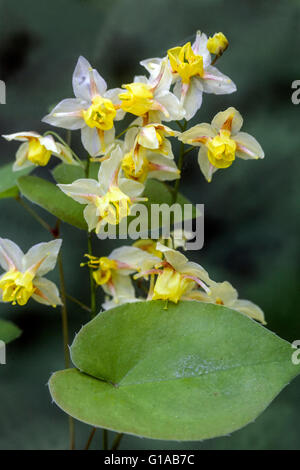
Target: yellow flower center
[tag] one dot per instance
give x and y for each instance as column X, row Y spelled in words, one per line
column 221, row 150
column 219, row 301
column 100, row 114
column 37, row 153
column 104, row 273
column 160, row 137
column 17, row 287
column 130, row 170
column 185, row 62
column 113, row 207
column 138, row 99
column 217, row 44
column 170, row 285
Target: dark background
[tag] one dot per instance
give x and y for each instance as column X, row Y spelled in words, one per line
column 252, row 223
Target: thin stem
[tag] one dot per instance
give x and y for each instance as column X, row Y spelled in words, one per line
column 180, row 164
column 64, row 311
column 34, row 215
column 123, row 132
column 181, row 126
column 91, row 437
column 68, row 137
column 65, row 330
column 90, row 252
column 151, row 287
column 216, row 58
column 117, row 441
column 78, row 302
column 188, row 150
column 105, row 439
column 58, row 137
column 93, row 308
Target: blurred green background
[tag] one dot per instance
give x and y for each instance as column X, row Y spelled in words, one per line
column 252, row 209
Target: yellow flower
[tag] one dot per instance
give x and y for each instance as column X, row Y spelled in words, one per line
column 100, row 114
column 112, row 273
column 37, row 150
column 138, row 99
column 37, row 153
column 221, row 142
column 217, row 44
column 17, row 287
column 23, row 277
column 103, row 268
column 109, row 199
column 94, row 109
column 113, row 206
column 193, row 72
column 171, row 285
column 223, row 293
column 185, row 62
column 221, row 150
column 130, row 169
column 148, row 152
column 176, row 276
column 151, row 98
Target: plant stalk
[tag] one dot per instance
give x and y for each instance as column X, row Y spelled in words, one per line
column 105, row 439
column 91, row 437
column 65, row 330
column 117, row 441
column 179, row 165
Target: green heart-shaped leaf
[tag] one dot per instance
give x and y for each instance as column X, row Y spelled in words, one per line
column 8, row 331
column 8, row 180
column 48, row 196
column 191, row 372
column 66, row 174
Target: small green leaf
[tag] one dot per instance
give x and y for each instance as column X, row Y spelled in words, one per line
column 191, row 372
column 8, row 180
column 48, row 196
column 66, row 174
column 8, row 331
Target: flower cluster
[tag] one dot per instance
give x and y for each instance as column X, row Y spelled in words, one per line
column 170, row 275
column 172, row 90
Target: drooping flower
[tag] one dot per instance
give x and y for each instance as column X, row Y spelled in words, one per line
column 223, row 293
column 176, row 275
column 94, row 109
column 153, row 137
column 109, row 199
column 151, row 98
column 24, row 274
column 112, row 273
column 148, row 153
column 37, row 150
column 221, row 141
column 193, row 73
